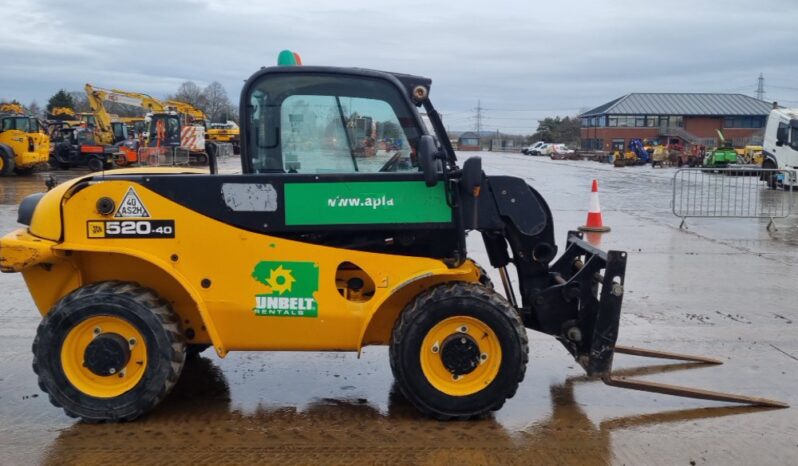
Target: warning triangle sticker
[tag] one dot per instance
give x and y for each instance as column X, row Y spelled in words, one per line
column 131, row 206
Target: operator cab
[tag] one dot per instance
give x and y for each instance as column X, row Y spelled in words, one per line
column 164, row 130
column 315, row 121
column 19, row 123
column 120, row 131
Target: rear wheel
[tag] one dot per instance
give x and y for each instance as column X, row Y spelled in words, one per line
column 6, row 163
column 109, row 351
column 95, row 164
column 458, row 351
column 769, row 177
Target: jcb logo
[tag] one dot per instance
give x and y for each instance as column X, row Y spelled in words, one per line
column 99, row 229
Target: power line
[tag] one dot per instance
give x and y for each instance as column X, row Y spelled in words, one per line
column 784, row 87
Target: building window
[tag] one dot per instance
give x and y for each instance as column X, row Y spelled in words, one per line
column 744, row 122
column 640, row 121
column 651, row 121
column 617, row 144
column 585, row 122
column 612, row 121
column 664, row 122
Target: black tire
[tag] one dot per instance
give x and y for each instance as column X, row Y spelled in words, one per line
column 193, row 351
column 770, row 177
column 8, row 163
column 484, row 279
column 453, row 300
column 141, row 308
column 95, row 164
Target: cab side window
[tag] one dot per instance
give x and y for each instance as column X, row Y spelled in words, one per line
column 331, row 124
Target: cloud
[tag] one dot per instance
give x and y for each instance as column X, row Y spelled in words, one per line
column 545, row 58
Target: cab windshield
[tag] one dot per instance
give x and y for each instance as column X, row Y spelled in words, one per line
column 18, row 123
column 330, row 124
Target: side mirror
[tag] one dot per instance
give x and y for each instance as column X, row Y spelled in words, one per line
column 471, row 180
column 427, row 152
column 781, row 135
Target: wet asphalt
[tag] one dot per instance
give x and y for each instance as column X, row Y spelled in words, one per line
column 723, row 288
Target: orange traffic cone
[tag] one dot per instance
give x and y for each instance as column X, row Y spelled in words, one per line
column 594, row 222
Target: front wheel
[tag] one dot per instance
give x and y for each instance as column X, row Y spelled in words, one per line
column 95, row 164
column 6, row 163
column 108, row 351
column 458, row 351
column 770, row 178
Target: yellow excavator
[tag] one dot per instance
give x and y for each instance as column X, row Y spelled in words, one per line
column 23, row 142
column 216, row 140
column 163, row 127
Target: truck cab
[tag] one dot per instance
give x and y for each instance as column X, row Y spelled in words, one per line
column 780, row 147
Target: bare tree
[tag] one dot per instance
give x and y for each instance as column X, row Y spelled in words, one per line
column 218, row 106
column 81, row 101
column 35, row 110
column 190, row 93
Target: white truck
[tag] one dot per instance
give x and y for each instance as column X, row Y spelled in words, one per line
column 780, row 147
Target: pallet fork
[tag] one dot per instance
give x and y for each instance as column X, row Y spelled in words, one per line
column 582, row 309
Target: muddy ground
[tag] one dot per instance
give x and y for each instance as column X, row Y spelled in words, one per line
column 724, row 288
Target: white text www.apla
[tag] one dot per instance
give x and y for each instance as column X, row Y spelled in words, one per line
column 373, row 202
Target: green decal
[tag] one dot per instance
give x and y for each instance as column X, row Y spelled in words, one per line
column 290, row 288
column 365, row 202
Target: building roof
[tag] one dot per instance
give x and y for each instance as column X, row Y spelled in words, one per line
column 469, row 135
column 683, row 104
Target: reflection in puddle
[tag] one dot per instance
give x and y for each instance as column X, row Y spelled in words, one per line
column 198, row 423
column 14, row 188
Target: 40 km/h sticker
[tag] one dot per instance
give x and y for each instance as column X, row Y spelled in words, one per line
column 103, row 229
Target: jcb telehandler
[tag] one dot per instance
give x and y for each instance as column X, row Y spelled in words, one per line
column 313, row 248
column 23, row 142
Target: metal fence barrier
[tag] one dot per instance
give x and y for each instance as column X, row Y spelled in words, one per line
column 736, row 192
column 224, row 150
column 163, row 156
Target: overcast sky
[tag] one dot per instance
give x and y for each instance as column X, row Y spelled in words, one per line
column 522, row 60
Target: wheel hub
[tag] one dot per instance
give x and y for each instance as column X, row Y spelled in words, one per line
column 107, row 354
column 460, row 354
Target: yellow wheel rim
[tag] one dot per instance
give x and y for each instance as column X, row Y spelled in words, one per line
column 490, row 355
column 2, row 163
column 99, row 386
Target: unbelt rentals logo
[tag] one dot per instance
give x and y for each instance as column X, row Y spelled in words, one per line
column 289, row 289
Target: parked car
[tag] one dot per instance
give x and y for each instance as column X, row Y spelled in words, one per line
column 534, row 149
column 559, row 151
column 545, row 149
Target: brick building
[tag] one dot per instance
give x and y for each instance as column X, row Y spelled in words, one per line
column 686, row 118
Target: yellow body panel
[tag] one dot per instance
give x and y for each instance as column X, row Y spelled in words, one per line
column 223, row 135
column 207, row 273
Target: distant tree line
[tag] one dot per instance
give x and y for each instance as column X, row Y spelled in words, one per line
column 556, row 129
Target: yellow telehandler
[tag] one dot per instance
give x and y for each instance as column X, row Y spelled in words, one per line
column 315, row 247
column 23, row 142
